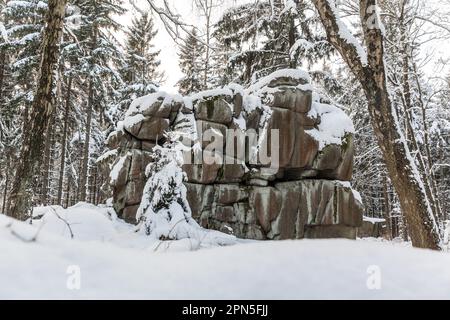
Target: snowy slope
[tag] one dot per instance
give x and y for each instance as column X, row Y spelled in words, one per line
column 117, row 263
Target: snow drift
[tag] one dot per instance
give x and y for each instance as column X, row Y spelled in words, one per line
column 111, row 268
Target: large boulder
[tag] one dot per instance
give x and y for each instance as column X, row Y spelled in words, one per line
column 149, row 128
column 293, row 99
column 215, row 109
column 372, row 228
column 286, row 211
column 306, row 193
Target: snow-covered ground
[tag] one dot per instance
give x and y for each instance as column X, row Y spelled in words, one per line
column 107, row 259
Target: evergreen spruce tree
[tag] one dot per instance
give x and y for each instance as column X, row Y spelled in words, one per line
column 164, row 204
column 42, row 109
column 140, row 73
column 253, row 40
column 21, row 26
column 164, row 212
column 100, row 57
column 9, row 115
column 191, row 64
column 26, row 21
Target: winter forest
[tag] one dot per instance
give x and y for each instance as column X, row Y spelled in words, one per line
column 98, row 99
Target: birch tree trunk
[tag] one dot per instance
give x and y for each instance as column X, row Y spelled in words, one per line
column 371, row 73
column 42, row 108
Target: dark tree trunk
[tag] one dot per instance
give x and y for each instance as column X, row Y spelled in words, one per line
column 46, row 166
column 387, row 209
column 20, row 201
column 2, row 77
column 90, row 105
column 7, row 177
column 64, row 142
column 411, row 137
column 94, row 188
column 2, row 71
column 85, row 164
column 67, row 200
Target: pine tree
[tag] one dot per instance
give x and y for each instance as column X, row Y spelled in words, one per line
column 9, row 115
column 100, row 57
column 21, row 29
column 164, row 212
column 207, row 9
column 140, row 73
column 26, row 22
column 191, row 64
column 141, row 57
column 4, row 75
column 20, row 201
column 164, row 204
column 253, row 40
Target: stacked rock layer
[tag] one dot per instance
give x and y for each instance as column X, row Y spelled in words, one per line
column 305, row 194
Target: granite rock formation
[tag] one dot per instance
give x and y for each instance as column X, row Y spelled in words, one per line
column 305, row 194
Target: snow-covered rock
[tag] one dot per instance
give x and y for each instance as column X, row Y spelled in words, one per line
column 315, row 152
column 372, row 227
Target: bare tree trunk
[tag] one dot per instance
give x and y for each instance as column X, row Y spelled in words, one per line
column 429, row 162
column 2, row 70
column 46, row 165
column 90, row 105
column 2, row 77
column 43, row 106
column 94, row 181
column 67, row 200
column 407, row 107
column 403, row 172
column 25, row 119
column 206, row 8
column 64, row 142
column 51, row 166
column 78, row 178
column 387, row 209
column 5, row 192
column 85, row 164
column 207, row 52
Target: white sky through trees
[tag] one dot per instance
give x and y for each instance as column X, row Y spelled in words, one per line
column 169, row 50
column 438, row 51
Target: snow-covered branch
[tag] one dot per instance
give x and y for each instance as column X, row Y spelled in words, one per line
column 340, row 37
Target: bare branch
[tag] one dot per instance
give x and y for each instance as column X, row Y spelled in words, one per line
column 175, row 26
column 339, row 36
column 63, row 220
